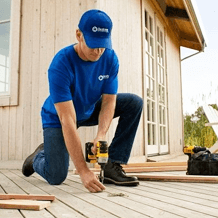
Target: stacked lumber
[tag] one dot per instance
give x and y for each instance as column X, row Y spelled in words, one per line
column 178, row 178
column 25, row 202
column 148, row 167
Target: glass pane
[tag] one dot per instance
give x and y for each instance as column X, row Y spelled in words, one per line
column 4, row 39
column 161, row 136
column 158, row 54
column 164, row 136
column 163, row 99
column 163, row 114
column 146, row 19
column 146, row 64
column 161, row 38
column 151, row 46
column 160, row 70
column 153, row 112
column 158, row 34
column 6, row 87
column 7, row 75
column 2, row 74
column 153, row 134
column 148, row 110
column 151, row 25
column 2, row 87
column 146, row 41
column 152, row 88
column 162, row 75
column 160, row 116
column 159, row 93
column 152, row 67
column 149, row 134
column 148, row 86
column 162, row 58
column 5, row 9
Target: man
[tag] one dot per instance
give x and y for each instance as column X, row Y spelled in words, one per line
column 83, row 85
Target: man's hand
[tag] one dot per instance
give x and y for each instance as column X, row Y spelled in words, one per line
column 91, row 182
column 94, row 148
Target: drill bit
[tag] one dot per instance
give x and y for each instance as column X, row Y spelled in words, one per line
column 102, row 175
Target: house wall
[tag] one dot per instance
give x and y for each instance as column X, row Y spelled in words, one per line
column 46, row 27
column 175, row 111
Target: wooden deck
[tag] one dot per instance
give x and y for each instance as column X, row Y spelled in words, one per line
column 149, row 199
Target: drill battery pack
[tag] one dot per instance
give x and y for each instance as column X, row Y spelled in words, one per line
column 203, row 163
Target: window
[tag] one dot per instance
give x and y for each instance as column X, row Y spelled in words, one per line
column 10, row 12
column 5, row 12
column 155, row 83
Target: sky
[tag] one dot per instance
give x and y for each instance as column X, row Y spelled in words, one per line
column 200, row 72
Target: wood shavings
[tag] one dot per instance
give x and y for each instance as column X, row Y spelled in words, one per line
column 117, row 195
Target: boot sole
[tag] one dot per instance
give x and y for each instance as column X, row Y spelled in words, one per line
column 111, row 181
column 26, row 169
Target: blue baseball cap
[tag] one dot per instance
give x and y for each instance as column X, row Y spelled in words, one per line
column 96, row 27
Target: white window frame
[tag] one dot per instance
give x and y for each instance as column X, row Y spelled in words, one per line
column 11, row 98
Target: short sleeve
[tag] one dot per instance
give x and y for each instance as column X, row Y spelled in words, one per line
column 59, row 80
column 111, row 84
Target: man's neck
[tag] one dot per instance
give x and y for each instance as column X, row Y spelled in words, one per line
column 79, row 52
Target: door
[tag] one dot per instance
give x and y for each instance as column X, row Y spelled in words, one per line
column 155, row 85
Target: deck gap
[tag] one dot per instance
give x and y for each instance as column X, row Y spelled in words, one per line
column 3, row 189
column 166, row 202
column 21, row 213
column 144, row 185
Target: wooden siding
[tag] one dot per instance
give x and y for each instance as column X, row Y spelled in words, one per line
column 175, row 111
column 46, row 27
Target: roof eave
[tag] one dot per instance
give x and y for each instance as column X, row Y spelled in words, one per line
column 191, row 10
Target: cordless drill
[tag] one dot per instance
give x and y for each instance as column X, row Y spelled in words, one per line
column 189, row 150
column 101, row 156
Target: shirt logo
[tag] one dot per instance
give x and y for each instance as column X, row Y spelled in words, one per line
column 98, row 29
column 101, row 77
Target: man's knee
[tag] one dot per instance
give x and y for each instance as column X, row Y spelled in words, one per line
column 136, row 101
column 56, row 180
column 56, row 177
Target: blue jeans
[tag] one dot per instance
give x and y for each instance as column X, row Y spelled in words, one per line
column 52, row 163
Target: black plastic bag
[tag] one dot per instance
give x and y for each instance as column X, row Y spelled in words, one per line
column 203, row 163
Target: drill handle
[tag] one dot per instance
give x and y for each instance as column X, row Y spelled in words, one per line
column 88, row 151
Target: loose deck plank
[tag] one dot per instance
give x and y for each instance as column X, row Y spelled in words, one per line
column 27, row 197
column 24, row 204
column 9, row 186
column 9, row 213
column 57, row 208
column 141, row 169
column 178, row 178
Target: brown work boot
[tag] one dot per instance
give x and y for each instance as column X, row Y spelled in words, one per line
column 27, row 169
column 114, row 174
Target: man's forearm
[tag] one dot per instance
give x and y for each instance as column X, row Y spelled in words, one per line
column 73, row 144
column 106, row 115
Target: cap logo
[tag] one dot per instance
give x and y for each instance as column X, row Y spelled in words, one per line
column 98, row 29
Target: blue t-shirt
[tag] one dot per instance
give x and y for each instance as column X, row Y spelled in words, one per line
column 83, row 82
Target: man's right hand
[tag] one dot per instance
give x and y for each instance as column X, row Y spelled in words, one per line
column 91, row 182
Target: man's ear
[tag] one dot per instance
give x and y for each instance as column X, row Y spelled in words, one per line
column 79, row 35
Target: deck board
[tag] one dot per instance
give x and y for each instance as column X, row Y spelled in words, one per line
column 149, row 199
